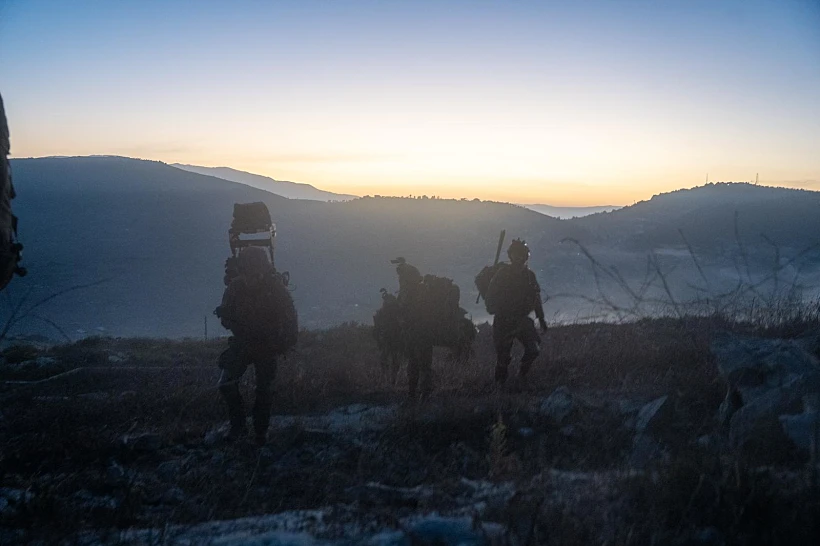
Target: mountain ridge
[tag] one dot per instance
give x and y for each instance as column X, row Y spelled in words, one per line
column 285, row 188
column 158, row 236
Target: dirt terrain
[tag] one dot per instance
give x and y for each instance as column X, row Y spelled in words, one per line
column 614, row 439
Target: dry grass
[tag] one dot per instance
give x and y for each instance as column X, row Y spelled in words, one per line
column 61, row 436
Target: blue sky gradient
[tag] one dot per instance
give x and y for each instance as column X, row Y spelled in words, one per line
column 583, row 103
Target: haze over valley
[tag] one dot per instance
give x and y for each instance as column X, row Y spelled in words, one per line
column 156, row 238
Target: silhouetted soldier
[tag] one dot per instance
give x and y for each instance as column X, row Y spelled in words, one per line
column 512, row 295
column 9, row 247
column 416, row 326
column 257, row 308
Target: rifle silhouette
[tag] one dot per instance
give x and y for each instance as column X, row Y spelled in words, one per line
column 501, row 237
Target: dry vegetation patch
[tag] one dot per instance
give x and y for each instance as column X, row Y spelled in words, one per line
column 125, row 439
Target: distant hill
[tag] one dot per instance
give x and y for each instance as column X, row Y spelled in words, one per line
column 157, row 235
column 291, row 190
column 706, row 215
column 570, row 212
column 160, row 235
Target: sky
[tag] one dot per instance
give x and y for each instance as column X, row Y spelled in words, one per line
column 570, row 103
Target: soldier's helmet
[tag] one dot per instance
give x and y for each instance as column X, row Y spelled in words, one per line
column 408, row 274
column 518, row 250
column 253, row 260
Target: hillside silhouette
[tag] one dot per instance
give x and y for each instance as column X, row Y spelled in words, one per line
column 706, row 215
column 157, row 234
column 570, row 212
column 291, row 190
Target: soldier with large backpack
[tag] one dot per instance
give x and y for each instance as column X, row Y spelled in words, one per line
column 511, row 292
column 425, row 314
column 258, row 309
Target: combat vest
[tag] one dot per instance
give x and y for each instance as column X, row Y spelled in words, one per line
column 260, row 311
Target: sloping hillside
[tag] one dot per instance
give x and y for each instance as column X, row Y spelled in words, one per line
column 158, row 235
column 706, row 215
column 570, row 212
column 291, row 190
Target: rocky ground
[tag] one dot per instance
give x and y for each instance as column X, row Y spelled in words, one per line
column 665, row 431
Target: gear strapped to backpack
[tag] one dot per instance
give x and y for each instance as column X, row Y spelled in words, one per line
column 436, row 312
column 482, row 282
column 257, row 305
column 261, row 311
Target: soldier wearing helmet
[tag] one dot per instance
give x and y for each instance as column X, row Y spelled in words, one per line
column 249, row 313
column 512, row 296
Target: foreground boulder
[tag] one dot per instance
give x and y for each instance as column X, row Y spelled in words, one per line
column 768, row 380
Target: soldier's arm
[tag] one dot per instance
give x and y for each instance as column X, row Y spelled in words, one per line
column 494, row 290
column 227, row 306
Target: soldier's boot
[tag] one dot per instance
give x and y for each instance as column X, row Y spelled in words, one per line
column 261, row 422
column 526, row 364
column 531, row 352
column 413, row 380
column 236, row 412
column 395, row 364
column 501, row 370
column 426, row 373
column 262, row 408
column 426, row 387
column 502, row 364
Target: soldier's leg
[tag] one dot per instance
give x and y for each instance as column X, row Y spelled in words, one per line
column 532, row 346
column 384, row 361
column 503, row 341
column 233, row 363
column 395, row 364
column 425, row 367
column 413, row 373
column 265, row 374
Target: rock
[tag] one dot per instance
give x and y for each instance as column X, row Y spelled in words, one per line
column 169, row 470
column 757, row 424
column 709, row 536
column 10, row 499
column 117, row 358
column 558, row 405
column 644, row 450
column 353, row 409
column 39, row 362
column 569, row 431
column 708, row 441
column 95, row 396
column 802, row 429
column 442, row 532
column 626, row 407
column 175, row 495
column 115, row 475
column 731, row 403
column 753, row 366
column 144, row 442
column 215, row 436
column 45, row 361
column 768, row 379
column 653, row 416
column 217, row 459
column 526, row 432
column 89, row 501
column 377, row 494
